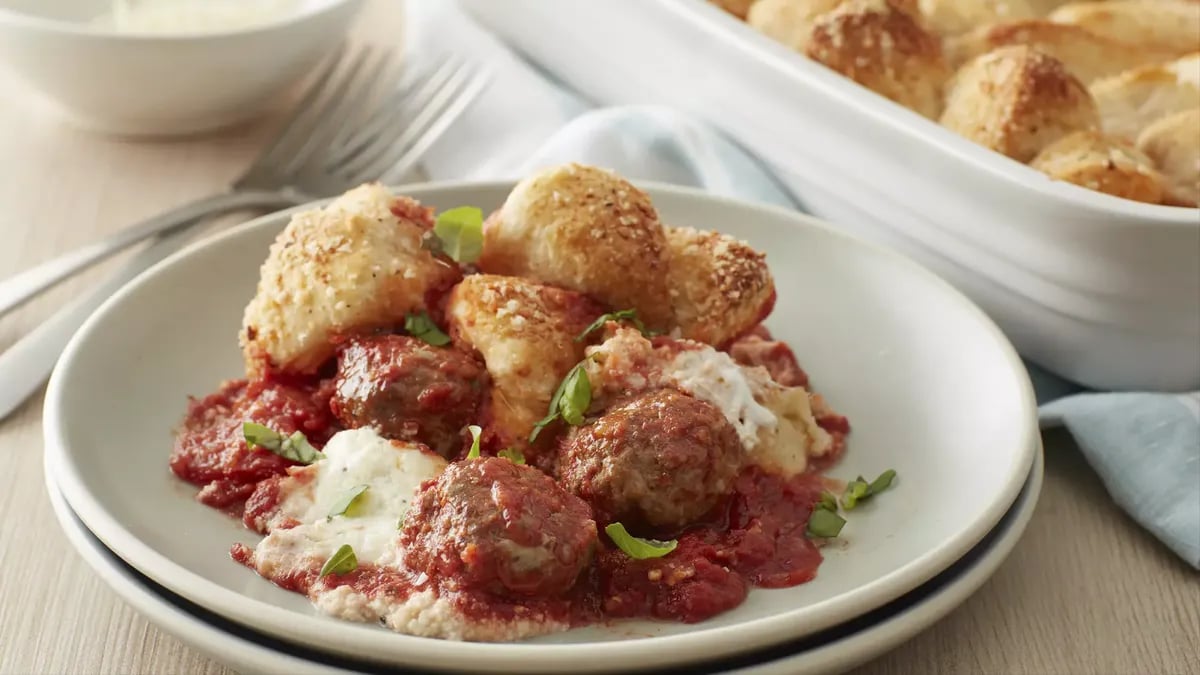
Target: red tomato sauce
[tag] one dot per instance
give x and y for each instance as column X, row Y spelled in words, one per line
column 210, row 451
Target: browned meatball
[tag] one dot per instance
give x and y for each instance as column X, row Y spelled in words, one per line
column 658, row 461
column 489, row 524
column 408, row 390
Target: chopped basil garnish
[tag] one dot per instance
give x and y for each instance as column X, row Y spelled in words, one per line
column 343, row 561
column 461, row 233
column 513, row 455
column 828, row 501
column 400, row 522
column 570, row 400
column 295, row 447
column 825, row 523
column 629, row 315
column 423, row 328
column 859, row 489
column 347, row 503
column 473, row 453
column 636, row 547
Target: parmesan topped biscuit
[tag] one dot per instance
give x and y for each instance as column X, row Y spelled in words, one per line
column 355, row 265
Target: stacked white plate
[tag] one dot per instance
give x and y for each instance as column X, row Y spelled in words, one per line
column 931, row 387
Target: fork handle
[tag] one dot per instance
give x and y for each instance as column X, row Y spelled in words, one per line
column 20, row 288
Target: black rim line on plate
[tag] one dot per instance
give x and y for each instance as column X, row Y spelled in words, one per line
column 744, row 660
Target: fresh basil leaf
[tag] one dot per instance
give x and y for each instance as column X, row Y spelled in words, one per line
column 461, row 233
column 827, row 502
column 621, row 315
column 856, row 490
column 825, row 523
column 636, row 547
column 883, row 482
column 859, row 489
column 343, row 561
column 295, row 447
column 570, row 401
column 347, row 503
column 513, row 455
column 260, row 436
column 420, row 326
column 577, row 396
column 473, row 453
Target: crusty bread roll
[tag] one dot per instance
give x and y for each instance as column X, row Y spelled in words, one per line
column 1016, row 101
column 1153, row 25
column 1104, row 164
column 1131, row 101
column 355, row 265
column 884, row 49
column 525, row 332
column 951, row 17
column 789, row 21
column 1086, row 55
column 720, row 287
column 587, row 230
column 1173, row 143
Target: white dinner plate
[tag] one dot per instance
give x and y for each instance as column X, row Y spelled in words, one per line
column 833, row 650
column 931, row 386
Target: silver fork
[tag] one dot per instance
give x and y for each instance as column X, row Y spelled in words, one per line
column 345, row 131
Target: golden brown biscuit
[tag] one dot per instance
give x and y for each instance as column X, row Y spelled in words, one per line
column 884, row 49
column 789, row 21
column 1152, row 25
column 1016, row 101
column 1098, row 162
column 1173, row 143
column 951, row 17
column 355, row 265
column 720, row 287
column 1133, row 100
column 525, row 332
column 587, row 230
column 1086, row 55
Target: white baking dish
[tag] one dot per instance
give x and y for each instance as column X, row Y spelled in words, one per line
column 1103, row 290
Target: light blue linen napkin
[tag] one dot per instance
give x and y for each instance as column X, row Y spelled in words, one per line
column 1144, row 446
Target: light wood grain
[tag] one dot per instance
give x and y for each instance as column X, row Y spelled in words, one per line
column 1085, row 591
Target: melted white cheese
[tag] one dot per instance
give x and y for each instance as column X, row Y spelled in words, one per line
column 391, row 472
column 715, row 378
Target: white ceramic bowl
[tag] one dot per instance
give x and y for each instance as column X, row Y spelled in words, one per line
column 930, row 385
column 1100, row 289
column 158, row 85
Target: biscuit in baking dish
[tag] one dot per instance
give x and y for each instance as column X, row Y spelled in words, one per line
column 788, row 21
column 720, row 287
column 1173, row 143
column 884, row 49
column 1133, row 100
column 1104, row 164
column 1016, row 101
column 1157, row 25
column 525, row 331
column 584, row 229
column 1088, row 56
column 950, row 17
column 355, row 265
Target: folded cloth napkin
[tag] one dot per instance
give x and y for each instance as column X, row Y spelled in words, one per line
column 1144, row 446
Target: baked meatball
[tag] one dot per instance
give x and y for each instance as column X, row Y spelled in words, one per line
column 489, row 524
column 657, row 462
column 408, row 390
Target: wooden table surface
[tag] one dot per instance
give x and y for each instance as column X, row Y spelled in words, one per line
column 1085, row 591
